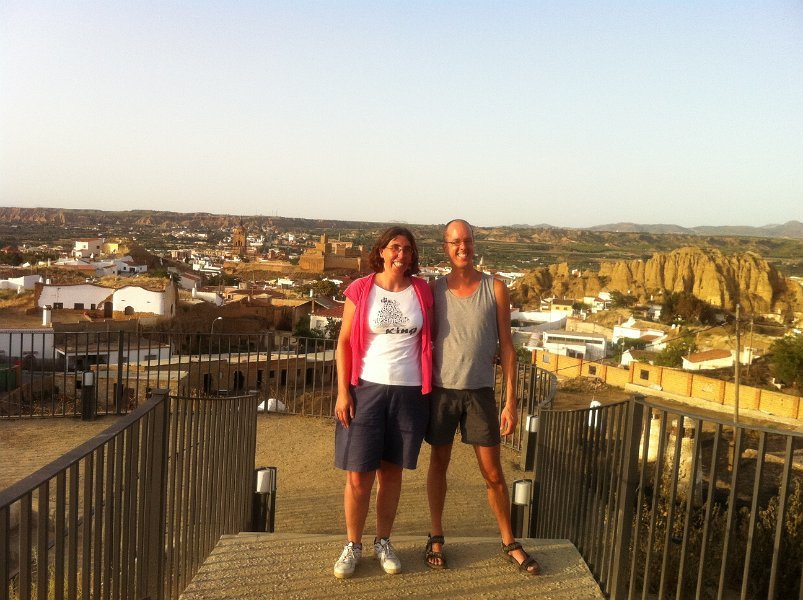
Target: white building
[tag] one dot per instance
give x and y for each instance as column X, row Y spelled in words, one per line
column 26, row 282
column 89, row 296
column 320, row 319
column 86, row 247
column 127, row 266
column 77, row 296
column 653, row 333
column 21, row 344
column 590, row 346
column 529, row 325
column 80, row 353
column 210, row 297
column 708, row 359
column 134, row 299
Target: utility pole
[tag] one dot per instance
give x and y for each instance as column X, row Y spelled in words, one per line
column 750, row 353
column 736, row 371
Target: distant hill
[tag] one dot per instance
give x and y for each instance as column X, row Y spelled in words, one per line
column 790, row 229
column 165, row 220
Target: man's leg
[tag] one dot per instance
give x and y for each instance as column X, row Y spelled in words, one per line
column 388, row 492
column 436, row 490
column 490, row 464
column 356, row 498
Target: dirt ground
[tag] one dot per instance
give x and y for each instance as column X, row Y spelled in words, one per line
column 310, row 488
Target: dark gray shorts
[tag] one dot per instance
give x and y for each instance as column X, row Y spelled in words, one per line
column 474, row 410
column 389, row 424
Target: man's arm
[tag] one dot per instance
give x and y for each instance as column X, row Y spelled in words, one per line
column 510, row 414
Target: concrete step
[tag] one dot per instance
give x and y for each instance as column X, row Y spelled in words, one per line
column 285, row 565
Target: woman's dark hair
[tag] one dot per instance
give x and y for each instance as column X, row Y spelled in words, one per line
column 375, row 259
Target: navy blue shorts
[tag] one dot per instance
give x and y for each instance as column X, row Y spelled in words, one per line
column 389, row 424
column 475, row 411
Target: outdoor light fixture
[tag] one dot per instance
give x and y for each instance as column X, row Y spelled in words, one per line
column 263, row 506
column 212, row 330
column 520, row 507
column 531, row 423
column 522, row 492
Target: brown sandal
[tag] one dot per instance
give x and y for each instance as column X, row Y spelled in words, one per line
column 430, row 554
column 528, row 561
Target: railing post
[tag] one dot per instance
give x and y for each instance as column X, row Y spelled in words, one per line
column 118, row 389
column 156, row 497
column 537, row 476
column 521, row 507
column 627, row 493
column 527, row 458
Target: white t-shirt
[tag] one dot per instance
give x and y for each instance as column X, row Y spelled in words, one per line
column 393, row 339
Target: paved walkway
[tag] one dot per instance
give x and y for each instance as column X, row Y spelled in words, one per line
column 254, row 566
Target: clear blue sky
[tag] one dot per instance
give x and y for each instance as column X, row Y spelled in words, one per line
column 568, row 113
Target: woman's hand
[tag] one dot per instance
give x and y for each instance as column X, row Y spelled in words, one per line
column 344, row 408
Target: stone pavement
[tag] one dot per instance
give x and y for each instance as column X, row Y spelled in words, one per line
column 284, row 565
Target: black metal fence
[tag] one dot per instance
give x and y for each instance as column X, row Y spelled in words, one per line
column 664, row 504
column 67, row 374
column 535, row 389
column 133, row 512
column 88, row 374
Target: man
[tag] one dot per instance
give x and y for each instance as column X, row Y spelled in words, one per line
column 472, row 316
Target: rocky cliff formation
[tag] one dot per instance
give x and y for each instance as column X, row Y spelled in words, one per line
column 718, row 279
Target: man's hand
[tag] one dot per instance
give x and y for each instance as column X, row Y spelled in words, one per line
column 508, row 419
column 344, row 409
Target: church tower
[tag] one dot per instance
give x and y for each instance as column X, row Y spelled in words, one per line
column 239, row 240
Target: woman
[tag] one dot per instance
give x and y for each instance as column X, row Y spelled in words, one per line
column 384, row 369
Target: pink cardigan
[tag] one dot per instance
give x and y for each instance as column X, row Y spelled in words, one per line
column 357, row 292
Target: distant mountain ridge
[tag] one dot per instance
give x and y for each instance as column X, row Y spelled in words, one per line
column 61, row 216
column 790, row 229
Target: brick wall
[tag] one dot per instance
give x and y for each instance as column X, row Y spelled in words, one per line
column 674, row 381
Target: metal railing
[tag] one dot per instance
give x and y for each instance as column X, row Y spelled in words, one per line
column 133, row 512
column 66, row 374
column 663, row 503
column 535, row 389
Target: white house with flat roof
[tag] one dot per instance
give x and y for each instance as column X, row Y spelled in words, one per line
column 86, row 247
column 590, row 346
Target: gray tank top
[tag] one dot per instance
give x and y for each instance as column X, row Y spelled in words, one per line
column 466, row 337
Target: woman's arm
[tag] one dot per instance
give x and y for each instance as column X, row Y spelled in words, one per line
column 344, row 407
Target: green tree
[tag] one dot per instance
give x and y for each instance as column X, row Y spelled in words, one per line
column 672, row 355
column 321, row 287
column 620, row 300
column 626, row 343
column 687, row 307
column 786, row 358
column 302, row 329
column 524, row 355
column 332, row 329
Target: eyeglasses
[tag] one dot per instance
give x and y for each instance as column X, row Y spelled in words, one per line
column 396, row 249
column 456, row 243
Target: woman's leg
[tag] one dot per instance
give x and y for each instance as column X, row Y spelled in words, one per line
column 356, row 498
column 388, row 492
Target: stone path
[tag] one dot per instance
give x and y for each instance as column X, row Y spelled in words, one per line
column 255, row 566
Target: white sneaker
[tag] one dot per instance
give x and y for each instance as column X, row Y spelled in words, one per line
column 387, row 556
column 345, row 565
